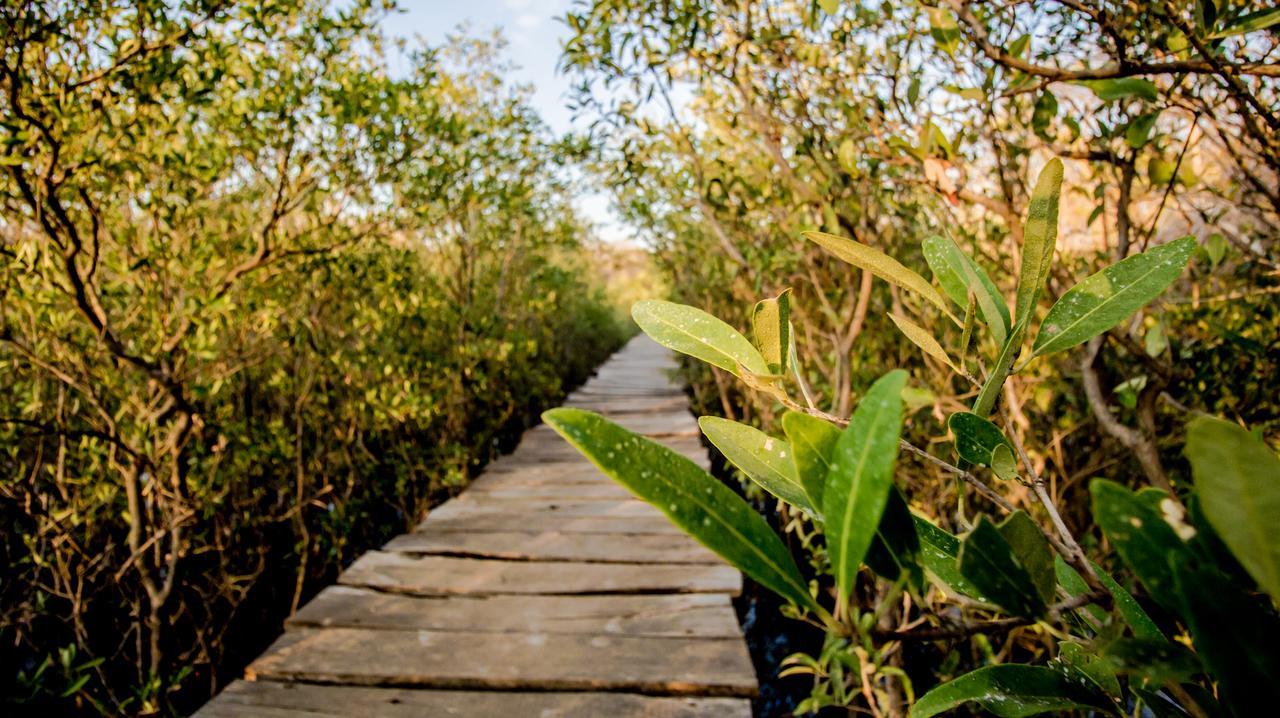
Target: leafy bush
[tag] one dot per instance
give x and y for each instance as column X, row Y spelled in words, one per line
column 263, row 302
column 1201, row 558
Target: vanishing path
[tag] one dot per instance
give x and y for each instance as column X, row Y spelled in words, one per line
column 545, row 590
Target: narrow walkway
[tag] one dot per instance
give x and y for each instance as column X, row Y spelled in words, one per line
column 545, row 590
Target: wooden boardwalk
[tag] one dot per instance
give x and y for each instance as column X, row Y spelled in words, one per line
column 544, row 589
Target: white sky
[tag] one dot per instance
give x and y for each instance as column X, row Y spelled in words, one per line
column 535, row 32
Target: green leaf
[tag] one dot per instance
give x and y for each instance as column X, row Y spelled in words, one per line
column 959, row 275
column 989, row 562
column 881, row 265
column 1237, row 479
column 1144, row 529
column 1215, row 245
column 830, row 7
column 861, row 474
column 940, row 553
column 1011, row 691
column 1003, row 463
column 1235, row 636
column 978, row 441
column 1122, row 88
column 943, row 28
column 896, row 547
column 764, row 459
column 771, row 324
column 1155, row 341
column 814, row 441
column 694, row 500
column 692, row 331
column 1250, row 22
column 1107, row 298
column 1130, row 612
column 922, row 339
column 1032, row 551
column 1155, row 661
column 1077, row 660
column 1039, row 237
column 1139, row 130
column 1042, row 114
column 1004, row 363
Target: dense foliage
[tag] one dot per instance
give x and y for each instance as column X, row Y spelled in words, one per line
column 261, row 301
column 734, row 128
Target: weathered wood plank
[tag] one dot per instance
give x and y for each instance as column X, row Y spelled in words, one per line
column 551, row 521
column 446, row 576
column 689, row 615
column 270, row 699
column 529, row 661
column 607, row 404
column 557, row 450
column 578, row 492
column 659, row 424
column 509, row 468
column 554, row 546
column 466, row 505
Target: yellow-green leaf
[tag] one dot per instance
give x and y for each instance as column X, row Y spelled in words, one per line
column 771, row 325
column 1039, row 237
column 881, row 265
column 922, row 339
column 691, row 331
column 694, row 500
column 766, row 460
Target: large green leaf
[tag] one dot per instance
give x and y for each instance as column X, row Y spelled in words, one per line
column 881, row 265
column 1142, row 532
column 861, row 474
column 1234, row 635
column 978, row 441
column 989, row 562
column 959, row 274
column 1032, row 551
column 771, row 325
column 691, row 331
column 693, row 499
column 1011, row 691
column 1238, row 481
column 1039, row 237
column 940, row 553
column 814, row 441
column 766, row 460
column 896, row 547
column 1156, row 661
column 1107, row 298
column 1130, row 611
